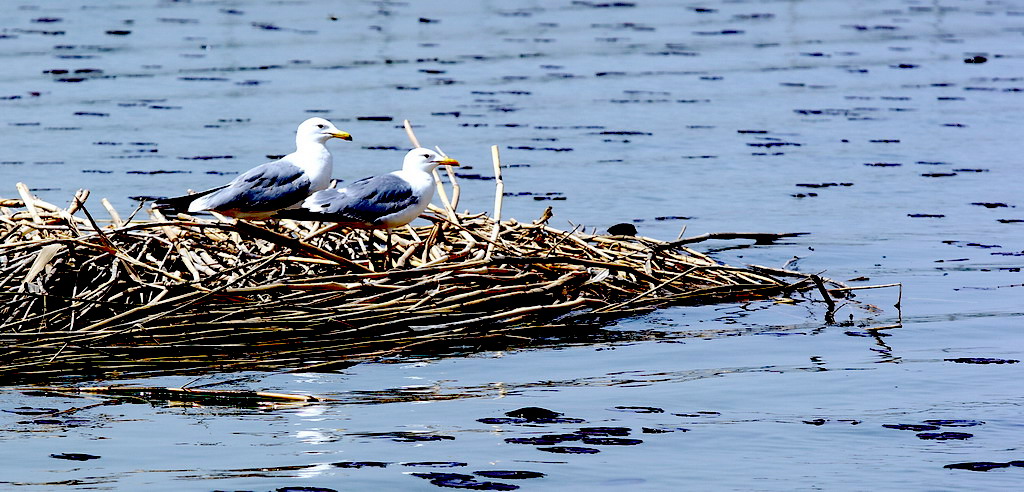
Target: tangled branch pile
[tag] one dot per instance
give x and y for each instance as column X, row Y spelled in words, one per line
column 160, row 294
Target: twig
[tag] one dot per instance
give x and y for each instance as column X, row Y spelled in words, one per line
column 29, row 200
column 186, row 394
column 452, row 216
column 412, row 135
column 453, row 180
column 295, row 244
column 613, row 307
column 499, row 193
column 80, row 197
column 830, row 314
column 127, row 266
column 114, row 216
column 759, row 237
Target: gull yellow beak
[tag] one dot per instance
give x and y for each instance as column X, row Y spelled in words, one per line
column 447, row 162
column 342, row 135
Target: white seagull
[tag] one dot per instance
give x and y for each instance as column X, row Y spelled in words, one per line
column 385, row 201
column 262, row 191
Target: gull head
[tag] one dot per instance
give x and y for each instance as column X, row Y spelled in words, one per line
column 319, row 130
column 426, row 160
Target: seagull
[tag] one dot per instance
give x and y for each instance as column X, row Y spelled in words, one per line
column 385, row 201
column 262, row 191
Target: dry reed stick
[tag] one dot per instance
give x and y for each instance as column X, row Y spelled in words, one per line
column 453, row 180
column 115, row 217
column 452, row 216
column 499, row 194
column 29, row 201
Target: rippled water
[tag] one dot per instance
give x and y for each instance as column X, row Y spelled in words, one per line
column 860, row 123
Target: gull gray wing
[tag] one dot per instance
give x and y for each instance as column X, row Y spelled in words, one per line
column 264, row 188
column 367, row 201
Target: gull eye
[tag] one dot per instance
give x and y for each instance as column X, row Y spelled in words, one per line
column 321, row 126
column 426, row 156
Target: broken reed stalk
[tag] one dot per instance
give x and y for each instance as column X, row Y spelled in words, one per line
column 437, row 177
column 452, row 179
column 830, row 314
column 26, row 196
column 499, row 195
column 144, row 297
column 115, row 217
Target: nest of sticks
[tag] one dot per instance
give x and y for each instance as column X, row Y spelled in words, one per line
column 133, row 297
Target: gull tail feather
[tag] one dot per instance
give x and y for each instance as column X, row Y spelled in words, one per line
column 179, row 204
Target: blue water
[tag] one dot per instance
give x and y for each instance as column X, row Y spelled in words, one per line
column 708, row 116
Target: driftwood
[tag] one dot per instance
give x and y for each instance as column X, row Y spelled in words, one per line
column 191, row 395
column 169, row 294
column 184, row 395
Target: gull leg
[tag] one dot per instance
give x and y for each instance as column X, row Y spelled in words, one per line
column 387, row 251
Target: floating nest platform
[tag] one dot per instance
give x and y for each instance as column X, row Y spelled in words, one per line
column 136, row 297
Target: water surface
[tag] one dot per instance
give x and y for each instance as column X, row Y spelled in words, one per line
column 859, row 123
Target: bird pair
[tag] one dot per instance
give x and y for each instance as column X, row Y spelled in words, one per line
column 296, row 187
